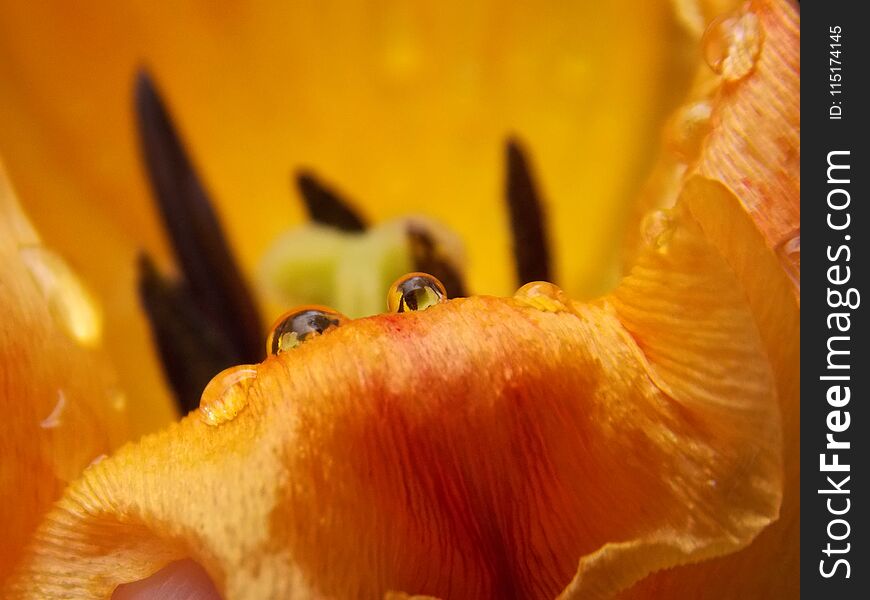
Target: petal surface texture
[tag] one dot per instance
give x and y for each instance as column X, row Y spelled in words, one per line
column 741, row 179
column 59, row 398
column 485, row 447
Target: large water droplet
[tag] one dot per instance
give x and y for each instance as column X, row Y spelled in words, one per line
column 544, row 296
column 732, row 44
column 414, row 292
column 68, row 300
column 657, row 228
column 226, row 395
column 301, row 324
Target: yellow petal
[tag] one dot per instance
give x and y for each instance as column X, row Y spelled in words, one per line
column 406, row 108
column 481, row 445
column 59, row 398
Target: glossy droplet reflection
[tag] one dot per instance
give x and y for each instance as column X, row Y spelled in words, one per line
column 544, row 296
column 688, row 128
column 299, row 325
column 732, row 44
column 68, row 300
column 226, row 395
column 657, row 228
column 415, row 291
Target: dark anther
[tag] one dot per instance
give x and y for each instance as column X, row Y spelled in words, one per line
column 408, row 303
column 429, row 259
column 191, row 348
column 326, row 206
column 213, row 281
column 527, row 219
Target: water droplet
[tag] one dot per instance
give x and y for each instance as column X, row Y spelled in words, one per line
column 657, row 229
column 54, row 418
column 68, row 300
column 789, row 254
column 299, row 325
column 226, row 395
column 688, row 128
column 544, row 296
column 414, row 292
column 732, row 44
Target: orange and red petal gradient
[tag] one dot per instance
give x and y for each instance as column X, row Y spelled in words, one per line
column 480, row 448
column 494, row 444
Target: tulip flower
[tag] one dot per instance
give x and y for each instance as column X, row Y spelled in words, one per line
column 634, row 440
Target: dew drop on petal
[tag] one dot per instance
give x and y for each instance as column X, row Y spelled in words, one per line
column 657, row 228
column 688, row 128
column 226, row 395
column 300, row 325
column 415, row 292
column 68, row 300
column 732, row 44
column 543, row 296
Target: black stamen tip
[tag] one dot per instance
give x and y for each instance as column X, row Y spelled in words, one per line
column 326, row 206
column 192, row 350
column 215, row 283
column 527, row 219
column 428, row 259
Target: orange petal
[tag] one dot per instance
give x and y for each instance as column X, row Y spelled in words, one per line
column 59, row 399
column 754, row 147
column 769, row 568
column 480, row 448
column 748, row 204
column 743, row 131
